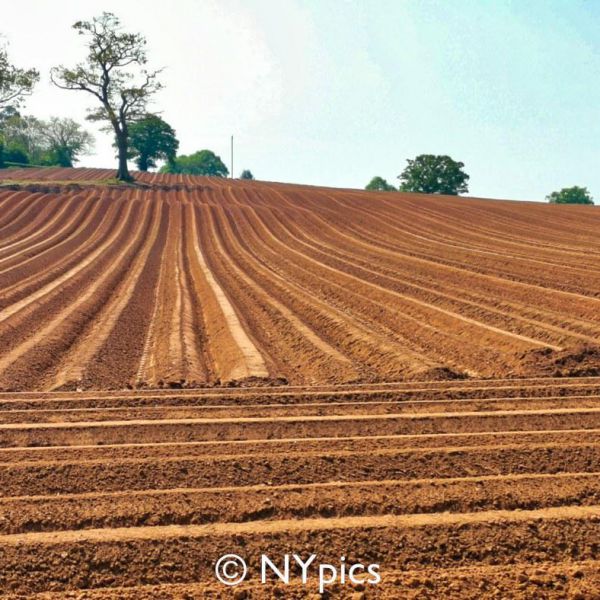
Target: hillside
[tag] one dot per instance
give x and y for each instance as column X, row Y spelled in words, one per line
column 441, row 417
column 190, row 281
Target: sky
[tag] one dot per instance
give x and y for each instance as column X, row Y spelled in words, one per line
column 333, row 92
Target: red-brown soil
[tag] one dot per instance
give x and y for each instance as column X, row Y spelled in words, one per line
column 462, row 489
column 393, row 378
column 188, row 281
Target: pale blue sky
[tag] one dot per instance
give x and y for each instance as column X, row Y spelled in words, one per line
column 333, row 92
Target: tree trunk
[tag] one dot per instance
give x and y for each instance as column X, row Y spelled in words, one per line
column 123, row 172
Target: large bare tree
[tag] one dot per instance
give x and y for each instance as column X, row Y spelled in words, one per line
column 114, row 73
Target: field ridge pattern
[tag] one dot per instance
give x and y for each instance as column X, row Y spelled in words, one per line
column 193, row 366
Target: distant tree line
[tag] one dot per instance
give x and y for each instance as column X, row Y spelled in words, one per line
column 204, row 162
column 427, row 174
column 26, row 140
column 115, row 76
column 439, row 174
column 571, row 195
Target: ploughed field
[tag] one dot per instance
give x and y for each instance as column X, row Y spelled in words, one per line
column 188, row 281
column 465, row 489
column 192, row 367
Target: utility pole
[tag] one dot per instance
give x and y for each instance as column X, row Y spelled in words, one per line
column 231, row 157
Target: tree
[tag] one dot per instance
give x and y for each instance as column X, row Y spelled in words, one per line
column 12, row 154
column 6, row 113
column 434, row 174
column 379, row 184
column 15, row 83
column 114, row 73
column 246, row 174
column 204, row 162
column 57, row 141
column 152, row 139
column 571, row 195
column 26, row 139
column 21, row 138
column 65, row 141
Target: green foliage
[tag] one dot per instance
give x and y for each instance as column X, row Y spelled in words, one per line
column 152, row 139
column 571, row 195
column 114, row 74
column 54, row 142
column 64, row 140
column 20, row 136
column 246, row 174
column 434, row 174
column 7, row 113
column 379, row 184
column 15, row 83
column 13, row 154
column 203, row 162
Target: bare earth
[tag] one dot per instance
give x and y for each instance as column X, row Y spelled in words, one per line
column 194, row 367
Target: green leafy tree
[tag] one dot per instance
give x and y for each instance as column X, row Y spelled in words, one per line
column 152, row 139
column 12, row 155
column 571, row 195
column 203, row 162
column 7, row 113
column 64, row 140
column 246, row 174
column 15, row 83
column 21, row 138
column 379, row 184
column 32, row 141
column 434, row 174
column 114, row 73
